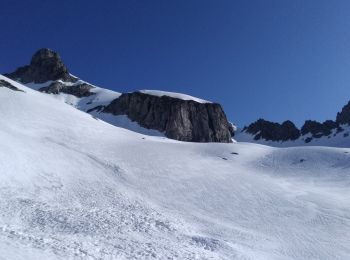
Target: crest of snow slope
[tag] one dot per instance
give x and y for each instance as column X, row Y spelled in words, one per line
column 73, row 187
column 160, row 93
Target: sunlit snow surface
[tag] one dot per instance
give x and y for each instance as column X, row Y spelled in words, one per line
column 75, row 187
column 160, row 93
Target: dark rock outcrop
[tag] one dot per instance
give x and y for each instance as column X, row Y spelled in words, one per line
column 343, row 117
column 6, row 84
column 287, row 131
column 270, row 131
column 80, row 90
column 45, row 65
column 317, row 129
column 183, row 120
column 262, row 129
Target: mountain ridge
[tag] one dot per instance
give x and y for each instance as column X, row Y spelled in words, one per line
column 311, row 133
column 47, row 73
column 194, row 119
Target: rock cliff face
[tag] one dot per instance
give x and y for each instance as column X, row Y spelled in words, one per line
column 46, row 65
column 183, row 120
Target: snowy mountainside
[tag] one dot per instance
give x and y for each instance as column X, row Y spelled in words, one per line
column 47, row 73
column 94, row 104
column 75, row 187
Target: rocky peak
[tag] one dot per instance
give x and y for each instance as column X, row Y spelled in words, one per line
column 343, row 117
column 46, row 65
column 317, row 129
column 270, row 131
column 46, row 57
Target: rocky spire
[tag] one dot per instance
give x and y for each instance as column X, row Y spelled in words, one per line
column 343, row 117
column 45, row 65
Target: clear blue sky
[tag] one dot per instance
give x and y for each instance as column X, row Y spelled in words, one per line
column 281, row 59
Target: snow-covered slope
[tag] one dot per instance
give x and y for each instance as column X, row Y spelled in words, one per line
column 160, row 93
column 101, row 98
column 74, row 187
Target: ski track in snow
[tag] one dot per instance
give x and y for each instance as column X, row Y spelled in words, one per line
column 73, row 187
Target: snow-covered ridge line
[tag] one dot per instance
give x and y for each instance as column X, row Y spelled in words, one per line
column 160, row 93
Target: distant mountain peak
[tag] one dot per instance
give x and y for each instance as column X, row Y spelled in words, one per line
column 343, row 117
column 43, row 55
column 46, row 65
column 266, row 131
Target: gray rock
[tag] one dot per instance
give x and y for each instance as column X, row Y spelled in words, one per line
column 343, row 117
column 6, row 84
column 266, row 130
column 317, row 129
column 45, row 65
column 80, row 90
column 270, row 131
column 183, row 120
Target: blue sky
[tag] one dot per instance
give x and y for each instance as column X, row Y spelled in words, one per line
column 281, row 59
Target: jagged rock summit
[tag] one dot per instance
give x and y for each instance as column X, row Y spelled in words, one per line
column 176, row 116
column 312, row 130
column 46, row 65
column 270, row 131
column 343, row 117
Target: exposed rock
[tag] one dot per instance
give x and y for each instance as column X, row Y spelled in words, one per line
column 330, row 124
column 318, row 129
column 343, row 117
column 266, row 130
column 97, row 109
column 270, row 131
column 45, row 65
column 6, row 84
column 80, row 90
column 183, row 120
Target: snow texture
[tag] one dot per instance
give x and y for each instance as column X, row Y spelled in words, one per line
column 160, row 93
column 74, row 187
